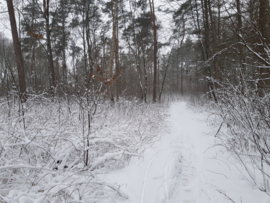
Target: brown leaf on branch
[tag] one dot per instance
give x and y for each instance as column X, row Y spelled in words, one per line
column 30, row 33
column 105, row 81
column 98, row 69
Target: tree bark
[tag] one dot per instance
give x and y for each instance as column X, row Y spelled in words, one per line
column 89, row 45
column 207, row 51
column 240, row 47
column 145, row 77
column 213, row 28
column 182, row 59
column 263, row 28
column 152, row 9
column 64, row 46
column 117, row 62
column 84, row 18
column 18, row 52
column 114, row 11
column 136, row 53
column 49, row 48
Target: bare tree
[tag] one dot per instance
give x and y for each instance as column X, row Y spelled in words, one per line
column 263, row 28
column 182, row 58
column 152, row 9
column 18, row 52
column 207, row 49
column 46, row 14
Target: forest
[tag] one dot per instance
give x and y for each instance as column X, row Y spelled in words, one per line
column 85, row 86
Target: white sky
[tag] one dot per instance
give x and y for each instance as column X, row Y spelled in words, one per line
column 4, row 20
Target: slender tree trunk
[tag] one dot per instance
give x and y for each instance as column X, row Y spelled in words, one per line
column 207, row 51
column 213, row 28
column 64, row 46
column 264, row 31
column 113, row 45
column 65, row 71
column 33, row 46
column 150, row 75
column 199, row 29
column 138, row 65
column 152, row 8
column 89, row 45
column 49, row 48
column 206, row 27
column 145, row 77
column 18, row 53
column 178, row 65
column 165, row 74
column 240, row 47
column 218, row 23
column 136, row 54
column 65, row 68
column 117, row 62
column 182, row 59
column 33, row 65
column 84, row 45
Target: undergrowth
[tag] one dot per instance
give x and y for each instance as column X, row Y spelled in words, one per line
column 53, row 151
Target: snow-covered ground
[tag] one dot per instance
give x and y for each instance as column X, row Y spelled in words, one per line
column 182, row 163
column 184, row 167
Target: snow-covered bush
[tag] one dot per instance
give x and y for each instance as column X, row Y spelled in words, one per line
column 44, row 146
column 247, row 118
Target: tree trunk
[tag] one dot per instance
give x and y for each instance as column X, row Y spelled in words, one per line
column 114, row 11
column 64, row 47
column 213, row 28
column 33, row 66
column 18, row 52
column 263, row 28
column 49, row 48
column 89, row 45
column 137, row 55
column 117, row 62
column 152, row 8
column 207, row 51
column 84, row 47
column 178, row 65
column 138, row 66
column 240, row 47
column 182, row 59
column 165, row 74
column 145, row 77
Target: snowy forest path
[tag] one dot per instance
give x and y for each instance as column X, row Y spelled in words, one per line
column 171, row 170
column 184, row 166
column 179, row 160
column 189, row 132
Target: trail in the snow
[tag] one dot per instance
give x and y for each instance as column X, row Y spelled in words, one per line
column 183, row 168
column 169, row 172
column 146, row 176
column 188, row 130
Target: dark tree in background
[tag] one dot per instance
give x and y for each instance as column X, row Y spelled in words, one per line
column 17, row 49
column 264, row 29
column 123, row 46
column 152, row 10
column 46, row 14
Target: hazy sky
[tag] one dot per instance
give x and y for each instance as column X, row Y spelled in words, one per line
column 4, row 20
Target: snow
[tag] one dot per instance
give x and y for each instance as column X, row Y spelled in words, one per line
column 44, row 161
column 142, row 158
column 185, row 166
